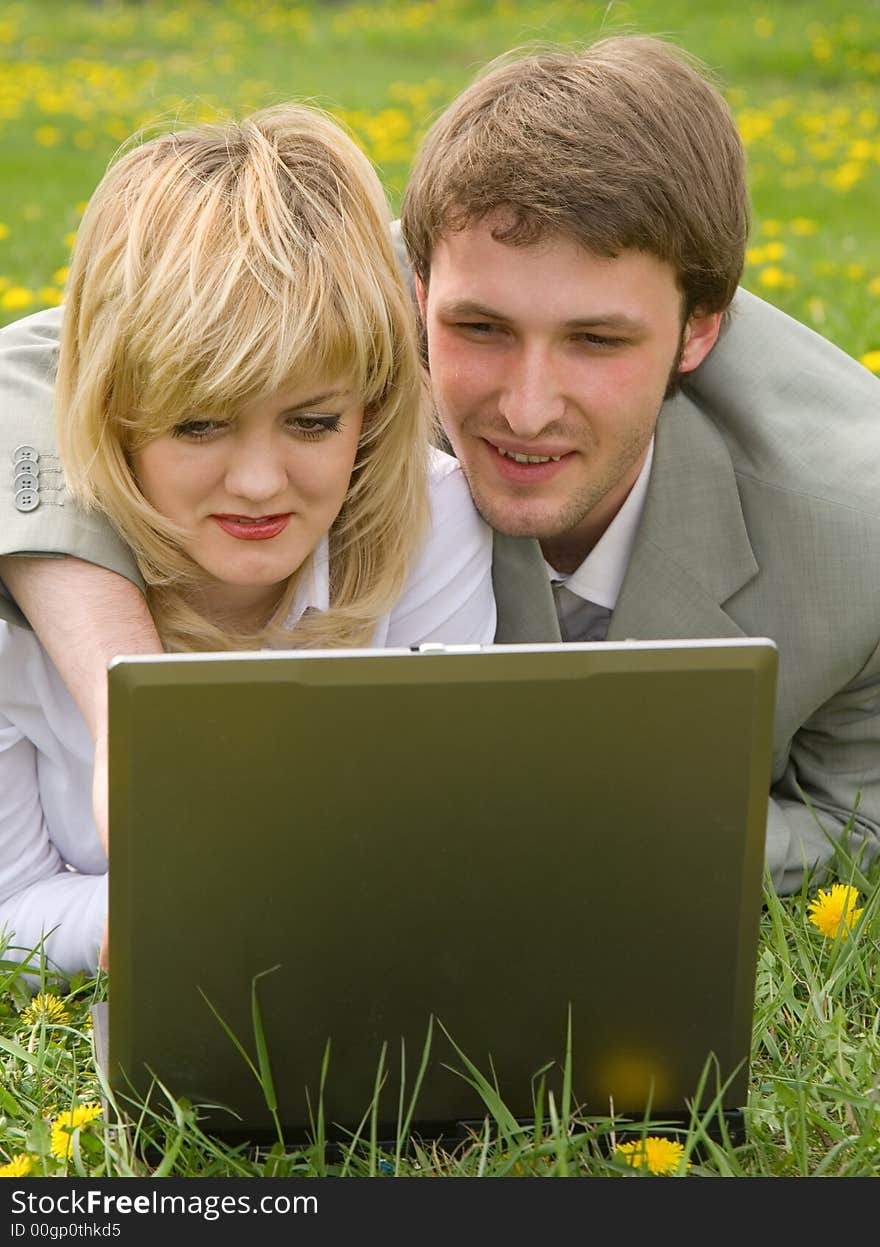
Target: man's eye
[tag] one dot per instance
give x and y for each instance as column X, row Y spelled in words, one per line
column 482, row 328
column 598, row 339
column 197, row 430
column 313, row 426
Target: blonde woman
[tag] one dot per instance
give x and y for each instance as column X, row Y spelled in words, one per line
column 239, row 391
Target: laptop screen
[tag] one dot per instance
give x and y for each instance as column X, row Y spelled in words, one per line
column 480, row 843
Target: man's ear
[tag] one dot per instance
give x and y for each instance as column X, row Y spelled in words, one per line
column 421, row 297
column 700, row 335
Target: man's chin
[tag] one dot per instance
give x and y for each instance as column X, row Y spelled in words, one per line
column 517, row 520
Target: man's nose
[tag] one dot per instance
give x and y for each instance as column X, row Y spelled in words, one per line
column 531, row 398
column 256, row 469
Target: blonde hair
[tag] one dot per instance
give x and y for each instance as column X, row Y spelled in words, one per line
column 213, row 266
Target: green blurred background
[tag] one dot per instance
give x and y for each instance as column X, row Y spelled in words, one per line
column 803, row 79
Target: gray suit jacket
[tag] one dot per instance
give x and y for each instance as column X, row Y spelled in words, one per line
column 762, row 518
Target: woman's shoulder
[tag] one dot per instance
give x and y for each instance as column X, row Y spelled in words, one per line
column 448, row 490
column 453, row 514
column 441, row 466
column 448, row 594
column 31, row 689
column 17, row 642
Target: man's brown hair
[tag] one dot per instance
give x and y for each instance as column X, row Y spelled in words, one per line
column 623, row 144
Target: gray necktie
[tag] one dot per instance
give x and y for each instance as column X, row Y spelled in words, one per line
column 579, row 620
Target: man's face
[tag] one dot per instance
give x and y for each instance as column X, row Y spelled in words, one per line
column 549, row 365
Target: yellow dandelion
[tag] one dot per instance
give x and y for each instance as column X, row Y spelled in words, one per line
column 60, row 276
column 871, row 361
column 657, row 1155
column 47, row 136
column 861, row 149
column 833, row 912
column 4, row 230
column 753, row 125
column 16, row 297
column 45, row 1008
column 775, row 279
column 66, row 1124
column 49, row 296
column 771, row 228
column 803, row 226
column 70, row 238
column 19, row 1167
column 847, row 175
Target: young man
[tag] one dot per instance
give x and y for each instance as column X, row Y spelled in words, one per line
column 576, row 223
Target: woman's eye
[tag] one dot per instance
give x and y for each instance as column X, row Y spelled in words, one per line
column 313, row 426
column 197, row 430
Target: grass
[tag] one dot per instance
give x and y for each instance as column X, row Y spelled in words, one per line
column 813, row 1106
column 76, row 79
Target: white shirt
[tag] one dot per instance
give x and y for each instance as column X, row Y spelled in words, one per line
column 599, row 577
column 53, row 870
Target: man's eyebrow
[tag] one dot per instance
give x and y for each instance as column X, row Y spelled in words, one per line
column 608, row 320
column 617, row 321
column 466, row 307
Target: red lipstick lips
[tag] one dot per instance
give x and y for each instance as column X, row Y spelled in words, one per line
column 260, row 529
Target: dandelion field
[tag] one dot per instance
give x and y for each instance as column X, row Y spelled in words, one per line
column 76, row 79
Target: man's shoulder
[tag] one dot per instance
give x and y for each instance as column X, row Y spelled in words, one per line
column 30, row 346
column 39, row 327
column 796, row 412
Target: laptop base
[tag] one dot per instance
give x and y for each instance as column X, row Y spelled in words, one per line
column 724, row 1128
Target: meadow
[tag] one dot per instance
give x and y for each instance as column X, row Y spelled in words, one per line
column 77, row 79
column 803, row 79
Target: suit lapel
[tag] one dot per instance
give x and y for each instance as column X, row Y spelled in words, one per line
column 522, row 592
column 692, row 551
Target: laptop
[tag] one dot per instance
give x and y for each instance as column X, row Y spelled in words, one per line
column 360, row 860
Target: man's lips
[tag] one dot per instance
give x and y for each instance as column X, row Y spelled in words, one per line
column 532, row 464
column 260, row 528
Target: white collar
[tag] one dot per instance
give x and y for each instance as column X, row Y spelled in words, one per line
column 599, row 577
column 313, row 590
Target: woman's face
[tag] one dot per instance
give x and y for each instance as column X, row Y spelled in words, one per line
column 256, row 493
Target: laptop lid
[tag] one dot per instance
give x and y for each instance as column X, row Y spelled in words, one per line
column 487, row 839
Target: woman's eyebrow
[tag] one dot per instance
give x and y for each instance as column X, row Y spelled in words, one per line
column 311, row 402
